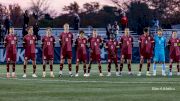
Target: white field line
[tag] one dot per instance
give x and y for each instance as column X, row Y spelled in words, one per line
column 92, row 81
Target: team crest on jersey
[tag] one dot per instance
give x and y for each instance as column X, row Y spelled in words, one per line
column 33, row 37
column 14, row 38
column 69, row 35
column 130, row 39
column 97, row 40
column 51, row 39
column 149, row 38
column 84, row 41
column 114, row 43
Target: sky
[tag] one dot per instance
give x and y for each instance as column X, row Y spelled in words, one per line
column 54, row 4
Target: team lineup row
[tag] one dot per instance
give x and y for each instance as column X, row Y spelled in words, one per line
column 148, row 46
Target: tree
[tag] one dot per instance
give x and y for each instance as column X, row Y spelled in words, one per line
column 91, row 7
column 72, row 8
column 39, row 8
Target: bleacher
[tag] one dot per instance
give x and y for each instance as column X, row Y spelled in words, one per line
column 88, row 31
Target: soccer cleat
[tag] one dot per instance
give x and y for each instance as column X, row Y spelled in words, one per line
column 120, row 73
column 109, row 74
column 170, row 73
column 8, row 75
column 117, row 74
column 76, row 75
column 60, row 75
column 101, row 74
column 13, row 74
column 178, row 73
column 44, row 74
column 88, row 74
column 148, row 74
column 139, row 74
column 34, row 75
column 52, row 74
column 24, row 76
column 70, row 75
column 85, row 74
column 130, row 73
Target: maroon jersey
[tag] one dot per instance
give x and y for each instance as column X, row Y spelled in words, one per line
column 10, row 43
column 30, row 44
column 126, row 43
column 66, row 41
column 48, row 45
column 146, row 44
column 174, row 48
column 81, row 45
column 95, row 44
column 112, row 47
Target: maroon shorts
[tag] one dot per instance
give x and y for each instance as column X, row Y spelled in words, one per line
column 175, row 58
column 11, row 57
column 81, row 57
column 67, row 54
column 48, row 57
column 146, row 56
column 126, row 56
column 112, row 58
column 95, row 57
column 30, row 56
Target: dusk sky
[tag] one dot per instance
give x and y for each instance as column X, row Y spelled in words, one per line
column 54, row 4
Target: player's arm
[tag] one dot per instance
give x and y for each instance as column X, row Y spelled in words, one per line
column 24, row 42
column 101, row 44
column 169, row 44
column 5, row 41
column 132, row 40
column 54, row 42
column 60, row 40
column 76, row 44
column 120, row 43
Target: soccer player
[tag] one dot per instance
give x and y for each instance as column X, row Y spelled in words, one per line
column 174, row 52
column 48, row 43
column 159, row 51
column 10, row 42
column 81, row 54
column 95, row 42
column 112, row 46
column 126, row 44
column 29, row 43
column 146, row 49
column 66, row 41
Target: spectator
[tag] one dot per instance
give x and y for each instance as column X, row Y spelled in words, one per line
column 36, row 30
column 124, row 21
column 2, row 33
column 76, row 21
column 26, row 22
column 8, row 24
column 108, row 30
column 115, row 28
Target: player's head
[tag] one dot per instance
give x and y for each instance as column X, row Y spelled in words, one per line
column 48, row 31
column 174, row 34
column 112, row 37
column 160, row 31
column 81, row 33
column 146, row 30
column 66, row 27
column 94, row 32
column 11, row 30
column 30, row 30
column 126, row 31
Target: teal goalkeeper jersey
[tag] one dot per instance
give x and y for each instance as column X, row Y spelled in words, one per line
column 160, row 44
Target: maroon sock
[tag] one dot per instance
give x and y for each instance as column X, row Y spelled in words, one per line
column 121, row 66
column 7, row 67
column 140, row 67
column 61, row 67
column 100, row 69
column 13, row 67
column 34, row 69
column 44, row 68
column 109, row 67
column 129, row 67
column 70, row 68
column 51, row 67
column 116, row 66
column 178, row 68
column 170, row 67
column 148, row 66
column 77, row 69
column 84, row 69
column 24, row 68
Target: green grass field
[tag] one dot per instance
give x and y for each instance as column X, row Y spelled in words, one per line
column 93, row 88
